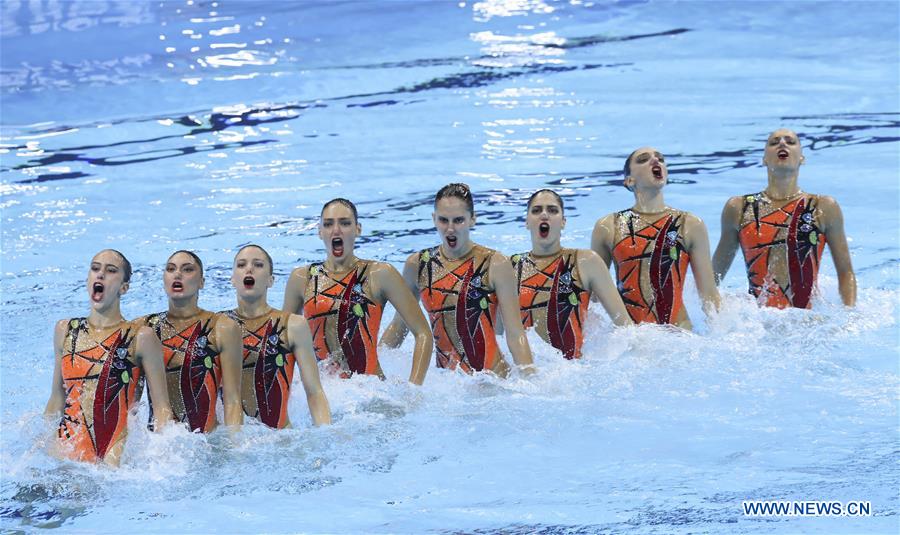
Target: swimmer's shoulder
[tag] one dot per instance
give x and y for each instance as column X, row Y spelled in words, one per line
column 607, row 222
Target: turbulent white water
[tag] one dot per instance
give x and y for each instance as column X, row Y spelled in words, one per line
column 111, row 139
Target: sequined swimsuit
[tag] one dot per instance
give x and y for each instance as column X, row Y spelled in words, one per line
column 782, row 249
column 343, row 318
column 103, row 383
column 552, row 299
column 651, row 263
column 462, row 308
column 268, row 367
column 193, row 367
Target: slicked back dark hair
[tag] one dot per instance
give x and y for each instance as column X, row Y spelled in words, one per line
column 126, row 265
column 192, row 255
column 345, row 202
column 627, row 168
column 460, row 191
column 269, row 258
column 562, row 205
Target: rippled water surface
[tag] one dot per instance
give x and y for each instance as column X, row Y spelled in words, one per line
column 150, row 127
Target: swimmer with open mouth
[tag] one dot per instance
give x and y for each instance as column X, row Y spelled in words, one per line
column 782, row 232
column 343, row 298
column 556, row 284
column 202, row 349
column 652, row 244
column 273, row 343
column 100, row 360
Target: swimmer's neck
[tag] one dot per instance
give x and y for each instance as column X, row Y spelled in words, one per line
column 465, row 247
column 649, row 201
column 104, row 318
column 550, row 249
column 344, row 263
column 782, row 184
column 183, row 308
column 249, row 309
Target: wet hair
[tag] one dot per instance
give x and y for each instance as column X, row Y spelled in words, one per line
column 627, row 169
column 460, row 191
column 126, row 265
column 192, row 255
column 342, row 201
column 249, row 245
column 562, row 205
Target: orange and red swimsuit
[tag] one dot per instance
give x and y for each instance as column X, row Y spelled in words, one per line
column 268, row 367
column 193, row 367
column 782, row 248
column 462, row 308
column 651, row 263
column 102, row 381
column 343, row 319
column 552, row 299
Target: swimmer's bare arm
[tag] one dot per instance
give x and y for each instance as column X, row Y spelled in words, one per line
column 392, row 287
column 504, row 280
column 57, row 401
column 602, row 238
column 302, row 346
column 295, row 290
column 833, row 221
column 602, row 243
column 597, row 278
column 150, row 356
column 728, row 242
column 228, row 337
column 697, row 241
column 395, row 333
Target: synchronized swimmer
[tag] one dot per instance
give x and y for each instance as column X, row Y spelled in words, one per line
column 189, row 357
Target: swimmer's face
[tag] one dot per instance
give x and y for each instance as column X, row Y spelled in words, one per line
column 338, row 230
column 106, row 279
column 783, row 150
column 251, row 274
column 545, row 219
column 648, row 170
column 183, row 277
column 453, row 222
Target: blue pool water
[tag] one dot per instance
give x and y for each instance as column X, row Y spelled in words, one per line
column 150, row 127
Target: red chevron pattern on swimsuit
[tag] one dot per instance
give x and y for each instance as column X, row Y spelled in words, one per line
column 651, row 264
column 268, row 367
column 193, row 369
column 552, row 300
column 461, row 308
column 782, row 249
column 343, row 319
column 102, row 381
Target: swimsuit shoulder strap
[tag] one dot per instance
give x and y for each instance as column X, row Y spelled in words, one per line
column 232, row 314
column 518, row 261
column 427, row 254
column 72, row 328
column 73, row 324
column 627, row 215
column 315, row 268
